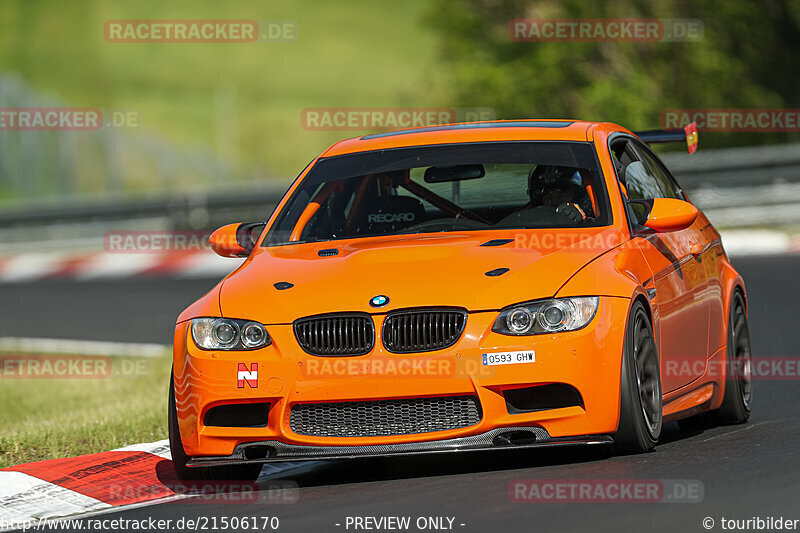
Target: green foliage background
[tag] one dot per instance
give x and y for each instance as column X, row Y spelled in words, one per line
column 748, row 57
column 243, row 102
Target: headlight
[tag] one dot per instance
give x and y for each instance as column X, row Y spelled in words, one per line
column 229, row 334
column 546, row 316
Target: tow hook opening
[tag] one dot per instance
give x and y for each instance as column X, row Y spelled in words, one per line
column 514, row 438
column 256, row 452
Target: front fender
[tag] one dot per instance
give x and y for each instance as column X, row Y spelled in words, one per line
column 622, row 272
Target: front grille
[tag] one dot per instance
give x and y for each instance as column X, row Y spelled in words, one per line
column 385, row 417
column 423, row 330
column 336, row 335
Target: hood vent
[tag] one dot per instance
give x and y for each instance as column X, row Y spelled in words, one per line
column 497, row 242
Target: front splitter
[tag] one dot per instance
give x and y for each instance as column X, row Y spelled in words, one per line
column 509, row 438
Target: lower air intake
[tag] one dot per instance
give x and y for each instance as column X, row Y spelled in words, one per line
column 385, row 417
column 238, row 415
column 542, row 398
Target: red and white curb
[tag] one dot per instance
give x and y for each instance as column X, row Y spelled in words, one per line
column 97, row 483
column 759, row 242
column 79, row 485
column 87, row 266
column 101, row 265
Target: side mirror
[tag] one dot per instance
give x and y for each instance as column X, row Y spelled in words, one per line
column 666, row 214
column 236, row 240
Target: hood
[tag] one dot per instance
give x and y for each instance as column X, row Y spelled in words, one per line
column 411, row 270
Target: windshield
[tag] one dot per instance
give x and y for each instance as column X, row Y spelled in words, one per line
column 446, row 188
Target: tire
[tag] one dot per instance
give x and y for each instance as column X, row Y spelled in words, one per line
column 736, row 402
column 180, row 458
column 640, row 418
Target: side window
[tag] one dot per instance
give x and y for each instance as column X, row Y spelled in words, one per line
column 665, row 182
column 640, row 183
column 637, row 180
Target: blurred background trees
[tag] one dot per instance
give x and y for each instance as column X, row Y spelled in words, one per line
column 229, row 114
column 747, row 58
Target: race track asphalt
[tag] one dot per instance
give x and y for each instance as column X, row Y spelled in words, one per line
column 746, row 471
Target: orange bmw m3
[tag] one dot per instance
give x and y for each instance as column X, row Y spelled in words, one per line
column 509, row 284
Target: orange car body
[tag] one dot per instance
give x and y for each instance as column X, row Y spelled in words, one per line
column 683, row 277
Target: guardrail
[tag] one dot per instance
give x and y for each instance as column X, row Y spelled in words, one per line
column 743, row 187
column 61, row 162
column 736, row 187
column 177, row 208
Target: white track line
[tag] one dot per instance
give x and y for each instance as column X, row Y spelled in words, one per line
column 159, row 448
column 100, row 512
column 80, row 347
column 24, row 498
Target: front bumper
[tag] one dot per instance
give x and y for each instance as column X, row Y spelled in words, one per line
column 588, row 360
column 496, row 439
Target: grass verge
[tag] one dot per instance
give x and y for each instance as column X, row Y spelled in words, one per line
column 44, row 418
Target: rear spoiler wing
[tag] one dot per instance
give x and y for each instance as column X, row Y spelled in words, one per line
column 688, row 134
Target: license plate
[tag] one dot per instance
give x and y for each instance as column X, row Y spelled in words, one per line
column 508, row 358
